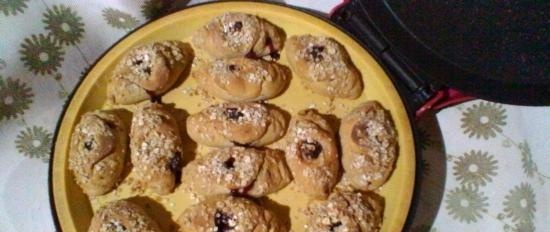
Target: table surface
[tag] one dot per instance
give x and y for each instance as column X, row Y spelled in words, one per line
column 483, row 165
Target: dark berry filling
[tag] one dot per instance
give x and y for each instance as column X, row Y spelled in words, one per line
column 233, row 114
column 221, row 221
column 333, row 226
column 89, row 145
column 311, row 150
column 315, row 52
column 175, row 165
column 229, row 163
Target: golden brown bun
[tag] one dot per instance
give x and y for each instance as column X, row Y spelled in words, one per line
column 228, row 124
column 237, row 170
column 227, row 213
column 146, row 70
column 312, row 154
column 156, row 148
column 345, row 211
column 122, row 215
column 98, row 151
column 237, row 35
column 324, row 66
column 242, row 79
column 369, row 146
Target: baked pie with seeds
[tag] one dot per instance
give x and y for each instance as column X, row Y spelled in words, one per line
column 242, row 79
column 239, row 171
column 324, row 66
column 228, row 213
column 156, row 148
column 345, row 211
column 312, row 154
column 369, row 146
column 238, row 35
column 98, row 151
column 229, row 124
column 122, row 215
column 148, row 71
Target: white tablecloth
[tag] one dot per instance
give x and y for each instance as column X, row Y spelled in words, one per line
column 483, row 166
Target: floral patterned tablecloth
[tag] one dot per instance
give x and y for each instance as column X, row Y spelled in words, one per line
column 483, row 166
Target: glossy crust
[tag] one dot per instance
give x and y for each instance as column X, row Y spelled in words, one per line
column 237, row 170
column 345, row 211
column 242, row 79
column 369, row 146
column 156, row 148
column 324, row 66
column 237, row 35
column 122, row 215
column 98, row 151
column 227, row 213
column 146, row 70
column 312, row 154
column 228, row 124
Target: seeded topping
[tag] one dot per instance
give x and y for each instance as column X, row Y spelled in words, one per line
column 238, row 33
column 310, row 149
column 143, row 59
column 326, row 56
column 224, row 222
column 233, row 114
column 253, row 113
column 248, row 70
column 123, row 216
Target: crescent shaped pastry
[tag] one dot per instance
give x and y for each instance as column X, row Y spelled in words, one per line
column 98, row 151
column 156, row 148
column 239, row 171
column 227, row 213
column 147, row 71
column 312, row 154
column 324, row 66
column 228, row 124
column 238, row 35
column 122, row 215
column 369, row 146
column 242, row 79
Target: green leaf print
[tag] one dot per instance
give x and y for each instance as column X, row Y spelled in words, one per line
column 64, row 24
column 475, row 167
column 34, row 142
column 119, row 19
column 41, row 54
column 466, row 204
column 12, row 7
column 483, row 120
column 15, row 98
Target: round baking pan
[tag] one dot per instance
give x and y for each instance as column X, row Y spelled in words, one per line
column 73, row 209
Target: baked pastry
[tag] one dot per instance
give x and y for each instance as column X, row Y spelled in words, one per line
column 147, row 71
column 242, row 79
column 345, row 211
column 122, row 215
column 237, row 35
column 228, row 213
column 324, row 66
column 98, row 151
column 312, row 154
column 228, row 124
column 156, row 148
column 239, row 171
column 369, row 146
